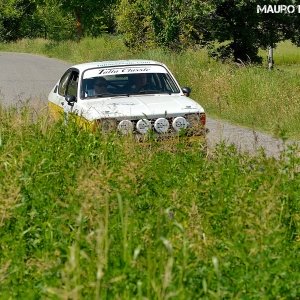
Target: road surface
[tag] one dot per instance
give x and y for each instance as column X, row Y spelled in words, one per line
column 28, row 76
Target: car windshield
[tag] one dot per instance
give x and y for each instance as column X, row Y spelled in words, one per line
column 126, row 81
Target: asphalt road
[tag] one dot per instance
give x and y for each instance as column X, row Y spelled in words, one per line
column 26, row 76
column 30, row 77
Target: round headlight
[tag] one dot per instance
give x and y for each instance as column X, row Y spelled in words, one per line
column 125, row 127
column 161, row 125
column 179, row 123
column 143, row 126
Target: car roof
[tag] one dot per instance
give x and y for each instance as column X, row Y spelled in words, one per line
column 116, row 63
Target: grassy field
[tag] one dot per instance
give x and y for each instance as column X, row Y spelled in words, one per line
column 85, row 216
column 88, row 216
column 250, row 96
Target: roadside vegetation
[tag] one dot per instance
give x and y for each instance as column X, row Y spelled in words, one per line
column 91, row 216
column 86, row 216
column 251, row 96
column 239, row 29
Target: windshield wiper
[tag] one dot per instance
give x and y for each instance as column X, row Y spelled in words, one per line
column 154, row 92
column 120, row 95
column 102, row 95
column 107, row 95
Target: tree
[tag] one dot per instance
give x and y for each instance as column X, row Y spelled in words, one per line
column 292, row 29
column 135, row 24
column 174, row 24
column 15, row 18
column 233, row 25
column 180, row 23
column 58, row 19
column 55, row 24
column 91, row 16
column 237, row 23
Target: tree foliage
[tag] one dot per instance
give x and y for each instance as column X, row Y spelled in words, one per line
column 91, row 16
column 55, row 24
column 134, row 23
column 174, row 24
column 55, row 19
column 245, row 31
column 15, row 18
column 230, row 28
column 233, row 25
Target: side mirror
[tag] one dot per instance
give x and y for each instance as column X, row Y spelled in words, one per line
column 186, row 91
column 70, row 100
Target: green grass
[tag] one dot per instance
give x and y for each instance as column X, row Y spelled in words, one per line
column 286, row 54
column 250, row 96
column 87, row 216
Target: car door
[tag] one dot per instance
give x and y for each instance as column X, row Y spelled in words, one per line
column 68, row 86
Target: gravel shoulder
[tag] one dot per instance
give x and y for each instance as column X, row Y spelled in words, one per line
column 26, row 76
column 245, row 139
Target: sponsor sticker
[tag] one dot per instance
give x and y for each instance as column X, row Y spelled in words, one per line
column 123, row 70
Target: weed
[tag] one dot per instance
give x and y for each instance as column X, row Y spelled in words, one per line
column 84, row 215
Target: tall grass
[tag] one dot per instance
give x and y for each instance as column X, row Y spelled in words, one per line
column 250, row 96
column 286, row 54
column 88, row 49
column 87, row 216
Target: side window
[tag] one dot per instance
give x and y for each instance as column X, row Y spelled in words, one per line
column 62, row 87
column 73, row 84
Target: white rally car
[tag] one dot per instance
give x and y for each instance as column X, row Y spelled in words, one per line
column 129, row 96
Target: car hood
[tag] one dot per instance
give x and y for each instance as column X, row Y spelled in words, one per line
column 135, row 107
